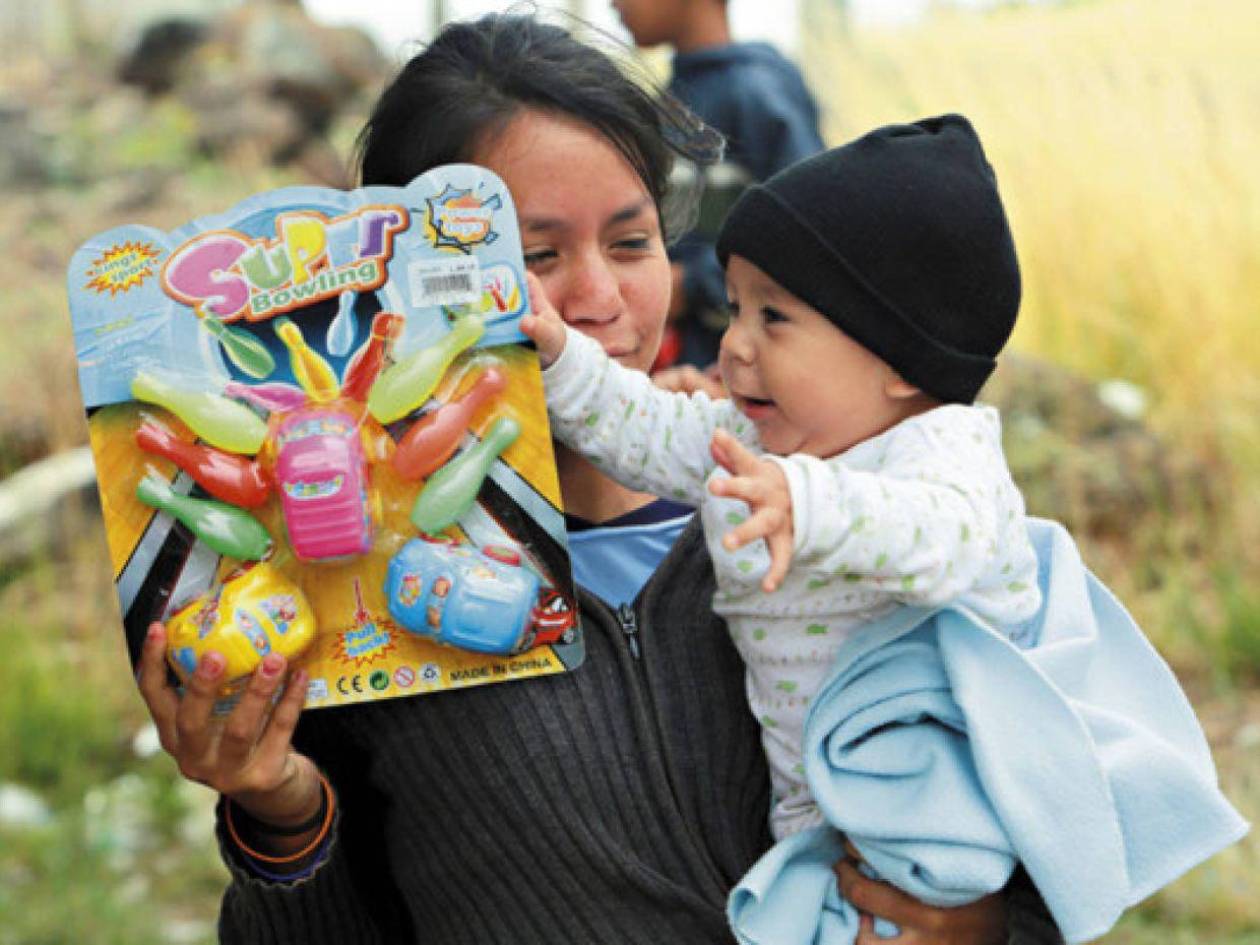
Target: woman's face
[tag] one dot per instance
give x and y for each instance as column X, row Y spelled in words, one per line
column 590, row 231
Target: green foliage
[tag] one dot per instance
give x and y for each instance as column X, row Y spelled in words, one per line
column 78, row 880
column 1238, row 656
column 166, row 139
column 53, row 727
column 125, row 853
column 1140, row 929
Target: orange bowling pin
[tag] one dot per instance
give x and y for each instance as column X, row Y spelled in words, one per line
column 434, row 437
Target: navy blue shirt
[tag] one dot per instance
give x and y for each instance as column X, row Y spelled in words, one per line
column 758, row 100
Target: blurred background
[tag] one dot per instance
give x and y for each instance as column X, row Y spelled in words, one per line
column 1125, row 135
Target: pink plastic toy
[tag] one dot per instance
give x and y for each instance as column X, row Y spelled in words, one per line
column 321, row 472
column 270, row 397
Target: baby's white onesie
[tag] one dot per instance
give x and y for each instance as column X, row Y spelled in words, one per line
column 925, row 513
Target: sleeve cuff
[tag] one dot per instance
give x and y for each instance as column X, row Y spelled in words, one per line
column 243, row 868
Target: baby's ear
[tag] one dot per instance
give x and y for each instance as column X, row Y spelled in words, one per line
column 897, row 388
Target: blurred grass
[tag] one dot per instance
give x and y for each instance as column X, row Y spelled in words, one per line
column 123, row 854
column 1124, row 134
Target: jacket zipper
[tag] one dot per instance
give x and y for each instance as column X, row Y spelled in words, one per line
column 630, row 627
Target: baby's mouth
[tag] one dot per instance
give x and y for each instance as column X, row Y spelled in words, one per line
column 755, row 408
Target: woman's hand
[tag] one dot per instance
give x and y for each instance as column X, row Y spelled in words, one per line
column 246, row 756
column 688, row 379
column 544, row 325
column 982, row 922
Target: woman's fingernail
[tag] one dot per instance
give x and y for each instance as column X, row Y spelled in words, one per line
column 211, row 665
column 272, row 664
column 155, row 631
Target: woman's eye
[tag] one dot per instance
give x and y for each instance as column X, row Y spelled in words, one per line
column 636, row 243
column 772, row 315
column 536, row 257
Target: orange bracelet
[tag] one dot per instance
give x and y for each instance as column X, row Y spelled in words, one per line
column 330, row 801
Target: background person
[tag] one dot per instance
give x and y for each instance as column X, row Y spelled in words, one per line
column 758, row 100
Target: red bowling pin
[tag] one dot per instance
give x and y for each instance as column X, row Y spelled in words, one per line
column 434, row 437
column 365, row 364
column 226, row 476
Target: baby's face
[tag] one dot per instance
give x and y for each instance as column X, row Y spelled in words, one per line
column 806, row 385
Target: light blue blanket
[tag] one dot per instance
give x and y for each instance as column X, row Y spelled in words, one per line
column 948, row 751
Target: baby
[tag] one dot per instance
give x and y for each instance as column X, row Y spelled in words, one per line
column 877, row 570
column 849, row 471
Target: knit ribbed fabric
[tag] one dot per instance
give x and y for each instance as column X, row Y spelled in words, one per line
column 614, row 805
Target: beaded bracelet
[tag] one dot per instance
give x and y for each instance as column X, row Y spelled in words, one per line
column 324, row 816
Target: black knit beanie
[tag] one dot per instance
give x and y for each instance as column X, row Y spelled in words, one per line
column 899, row 238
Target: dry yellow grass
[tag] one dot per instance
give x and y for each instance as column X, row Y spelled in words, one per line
column 1125, row 136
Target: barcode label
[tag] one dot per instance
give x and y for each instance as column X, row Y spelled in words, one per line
column 445, row 282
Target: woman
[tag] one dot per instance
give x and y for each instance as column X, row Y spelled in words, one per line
column 614, row 804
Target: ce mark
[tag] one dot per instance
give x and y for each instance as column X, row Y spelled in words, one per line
column 347, row 683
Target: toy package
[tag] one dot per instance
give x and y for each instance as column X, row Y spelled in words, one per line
column 318, row 430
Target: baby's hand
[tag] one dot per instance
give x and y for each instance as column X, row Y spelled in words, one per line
column 544, row 326
column 761, row 484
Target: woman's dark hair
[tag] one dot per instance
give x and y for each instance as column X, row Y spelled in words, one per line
column 475, row 77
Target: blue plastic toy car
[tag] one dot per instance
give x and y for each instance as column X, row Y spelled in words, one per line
column 475, row 599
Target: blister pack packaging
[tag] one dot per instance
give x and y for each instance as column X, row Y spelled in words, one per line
column 319, row 431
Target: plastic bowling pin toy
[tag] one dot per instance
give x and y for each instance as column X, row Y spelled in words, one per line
column 311, row 371
column 218, row 420
column 409, row 383
column 433, row 438
column 225, row 476
column 453, row 488
column 343, row 327
column 255, row 612
column 366, row 363
column 243, row 349
column 226, row 529
column 274, row 397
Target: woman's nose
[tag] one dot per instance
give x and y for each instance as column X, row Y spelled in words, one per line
column 592, row 293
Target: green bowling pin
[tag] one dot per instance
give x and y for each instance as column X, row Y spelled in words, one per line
column 243, row 349
column 223, row 527
column 409, row 383
column 452, row 489
column 216, row 419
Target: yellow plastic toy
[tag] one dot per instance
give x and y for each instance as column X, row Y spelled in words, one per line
column 254, row 612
